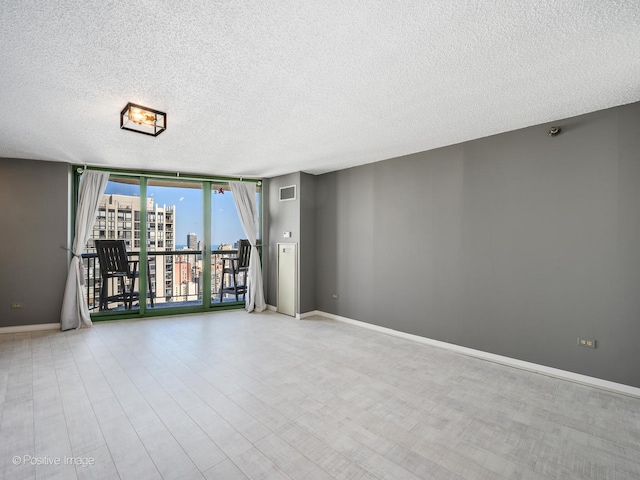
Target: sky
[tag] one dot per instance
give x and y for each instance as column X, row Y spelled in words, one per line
column 225, row 224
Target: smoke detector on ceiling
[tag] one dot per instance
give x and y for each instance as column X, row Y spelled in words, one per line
column 554, row 131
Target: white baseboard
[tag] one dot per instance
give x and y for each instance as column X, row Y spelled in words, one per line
column 297, row 316
column 491, row 357
column 30, row 328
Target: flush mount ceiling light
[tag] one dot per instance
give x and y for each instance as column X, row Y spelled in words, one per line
column 143, row 120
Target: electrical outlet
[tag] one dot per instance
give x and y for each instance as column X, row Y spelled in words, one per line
column 16, row 306
column 586, row 342
column 334, row 296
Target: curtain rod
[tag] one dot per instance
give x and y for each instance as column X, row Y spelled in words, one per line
column 165, row 177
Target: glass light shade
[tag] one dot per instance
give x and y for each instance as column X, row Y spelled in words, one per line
column 148, row 121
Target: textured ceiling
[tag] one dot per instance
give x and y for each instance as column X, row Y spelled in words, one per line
column 270, row 87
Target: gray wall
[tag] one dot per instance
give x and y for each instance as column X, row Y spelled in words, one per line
column 514, row 244
column 298, row 217
column 307, row 247
column 34, row 200
column 282, row 217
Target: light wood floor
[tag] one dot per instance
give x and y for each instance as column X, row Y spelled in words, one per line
column 235, row 395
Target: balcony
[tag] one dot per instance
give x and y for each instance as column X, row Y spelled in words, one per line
column 182, row 285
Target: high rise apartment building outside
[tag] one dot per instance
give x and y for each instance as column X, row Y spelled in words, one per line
column 192, row 241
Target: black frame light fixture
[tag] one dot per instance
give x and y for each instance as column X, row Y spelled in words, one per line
column 143, row 120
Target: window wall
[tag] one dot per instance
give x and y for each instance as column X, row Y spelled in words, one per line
column 179, row 233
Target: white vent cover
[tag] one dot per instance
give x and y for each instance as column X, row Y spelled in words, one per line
column 288, row 193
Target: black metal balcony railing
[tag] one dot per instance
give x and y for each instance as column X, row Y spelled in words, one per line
column 176, row 279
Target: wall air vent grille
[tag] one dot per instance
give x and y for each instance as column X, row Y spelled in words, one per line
column 288, row 193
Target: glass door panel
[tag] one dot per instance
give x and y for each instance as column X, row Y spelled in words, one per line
column 106, row 289
column 174, row 242
column 226, row 231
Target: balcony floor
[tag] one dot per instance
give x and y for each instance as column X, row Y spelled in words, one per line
column 163, row 305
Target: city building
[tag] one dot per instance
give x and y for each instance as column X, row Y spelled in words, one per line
column 192, row 241
column 216, row 268
column 187, row 281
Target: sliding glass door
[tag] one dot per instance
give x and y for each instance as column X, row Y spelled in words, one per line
column 174, row 242
column 226, row 232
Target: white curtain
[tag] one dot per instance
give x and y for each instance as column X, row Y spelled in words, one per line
column 74, row 306
column 245, row 197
